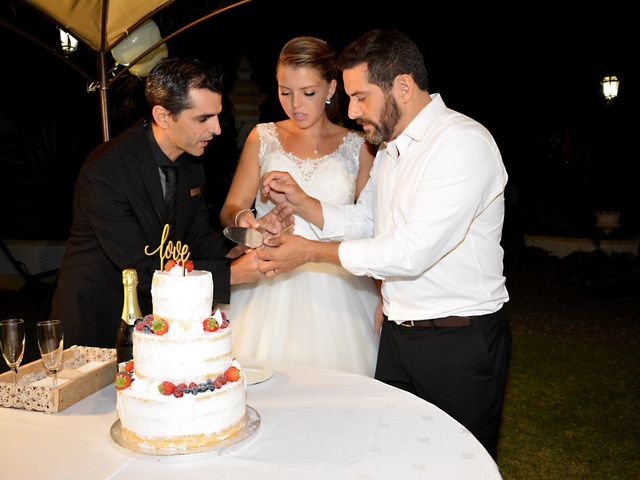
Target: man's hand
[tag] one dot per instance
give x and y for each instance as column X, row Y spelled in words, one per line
column 282, row 254
column 245, row 269
column 280, row 187
column 378, row 318
column 378, row 315
column 236, row 251
column 286, row 252
column 283, row 190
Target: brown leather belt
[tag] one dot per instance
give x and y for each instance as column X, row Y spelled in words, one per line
column 451, row 321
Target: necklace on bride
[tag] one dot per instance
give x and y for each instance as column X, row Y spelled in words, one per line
column 311, row 143
column 306, row 143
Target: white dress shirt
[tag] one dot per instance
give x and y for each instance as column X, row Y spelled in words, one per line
column 429, row 221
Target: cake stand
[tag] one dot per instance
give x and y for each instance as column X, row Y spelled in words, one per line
column 230, row 444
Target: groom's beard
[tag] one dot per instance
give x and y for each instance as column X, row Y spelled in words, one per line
column 389, row 118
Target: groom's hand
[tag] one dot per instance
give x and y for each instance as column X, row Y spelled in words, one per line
column 282, row 254
column 283, row 190
column 280, row 187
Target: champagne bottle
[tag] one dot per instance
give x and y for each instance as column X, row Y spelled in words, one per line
column 130, row 312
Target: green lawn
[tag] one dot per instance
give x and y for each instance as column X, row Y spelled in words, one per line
column 572, row 410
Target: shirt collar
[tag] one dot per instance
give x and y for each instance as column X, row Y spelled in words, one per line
column 417, row 128
column 158, row 155
column 392, row 149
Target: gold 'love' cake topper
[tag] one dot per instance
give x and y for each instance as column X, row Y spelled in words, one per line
column 179, row 253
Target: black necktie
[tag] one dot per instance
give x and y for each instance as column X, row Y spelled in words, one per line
column 171, row 183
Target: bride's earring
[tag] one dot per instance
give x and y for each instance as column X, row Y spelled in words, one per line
column 328, row 101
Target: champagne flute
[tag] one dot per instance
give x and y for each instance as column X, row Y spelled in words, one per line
column 12, row 343
column 51, row 345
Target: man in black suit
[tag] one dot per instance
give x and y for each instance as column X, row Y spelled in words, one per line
column 125, row 195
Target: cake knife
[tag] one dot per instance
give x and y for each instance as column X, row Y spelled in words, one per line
column 249, row 237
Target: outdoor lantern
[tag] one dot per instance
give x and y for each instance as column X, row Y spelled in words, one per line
column 138, row 41
column 610, row 87
column 68, row 42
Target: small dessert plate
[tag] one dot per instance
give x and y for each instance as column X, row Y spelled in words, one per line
column 257, row 374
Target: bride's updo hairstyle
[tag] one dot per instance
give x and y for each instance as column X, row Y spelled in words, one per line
column 315, row 53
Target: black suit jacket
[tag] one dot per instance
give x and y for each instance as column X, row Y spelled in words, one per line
column 118, row 209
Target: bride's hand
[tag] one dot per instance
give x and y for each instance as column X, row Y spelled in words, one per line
column 276, row 222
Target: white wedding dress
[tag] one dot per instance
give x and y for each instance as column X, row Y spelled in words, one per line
column 319, row 314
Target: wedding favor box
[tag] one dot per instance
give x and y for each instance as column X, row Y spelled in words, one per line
column 85, row 370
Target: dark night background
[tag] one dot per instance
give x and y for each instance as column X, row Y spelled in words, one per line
column 531, row 75
column 529, row 71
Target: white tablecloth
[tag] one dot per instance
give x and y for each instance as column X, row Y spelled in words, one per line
column 315, row 424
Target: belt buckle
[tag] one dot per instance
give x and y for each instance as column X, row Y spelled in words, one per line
column 409, row 324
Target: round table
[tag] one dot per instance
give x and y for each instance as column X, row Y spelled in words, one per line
column 314, row 424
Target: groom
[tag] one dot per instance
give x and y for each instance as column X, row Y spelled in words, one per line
column 428, row 224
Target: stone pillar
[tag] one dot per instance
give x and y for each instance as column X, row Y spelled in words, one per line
column 246, row 100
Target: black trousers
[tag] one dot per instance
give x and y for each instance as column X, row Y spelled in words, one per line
column 461, row 370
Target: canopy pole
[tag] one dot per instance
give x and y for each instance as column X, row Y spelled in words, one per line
column 104, row 96
column 102, row 71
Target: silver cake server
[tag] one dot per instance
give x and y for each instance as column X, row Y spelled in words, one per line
column 249, row 237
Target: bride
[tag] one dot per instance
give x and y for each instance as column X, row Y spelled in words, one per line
column 318, row 315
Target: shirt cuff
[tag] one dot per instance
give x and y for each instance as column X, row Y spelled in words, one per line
column 352, row 254
column 334, row 222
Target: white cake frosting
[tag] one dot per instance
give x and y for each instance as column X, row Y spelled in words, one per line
column 191, row 359
column 182, row 300
column 185, row 354
column 191, row 421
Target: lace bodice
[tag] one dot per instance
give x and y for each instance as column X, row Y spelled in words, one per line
column 283, row 318
column 330, row 178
